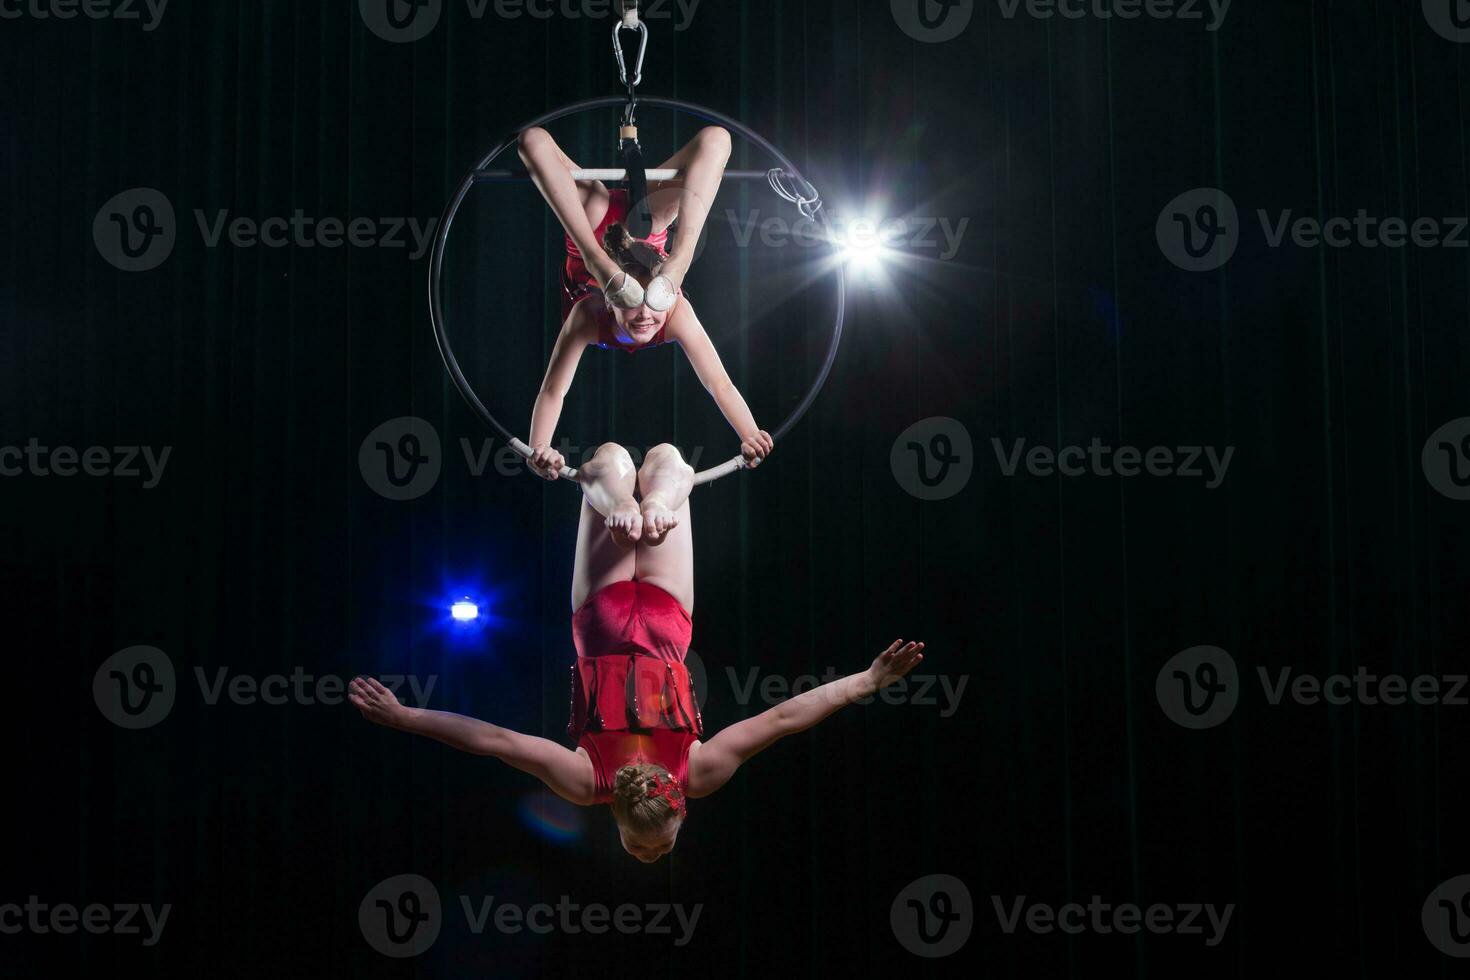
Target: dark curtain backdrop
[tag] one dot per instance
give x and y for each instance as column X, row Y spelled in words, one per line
column 263, row 550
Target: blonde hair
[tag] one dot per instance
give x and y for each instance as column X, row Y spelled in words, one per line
column 633, row 255
column 632, row 806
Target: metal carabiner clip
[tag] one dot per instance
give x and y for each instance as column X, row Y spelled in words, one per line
column 642, row 30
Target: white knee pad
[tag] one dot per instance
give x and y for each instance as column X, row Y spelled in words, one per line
column 661, row 294
column 624, row 292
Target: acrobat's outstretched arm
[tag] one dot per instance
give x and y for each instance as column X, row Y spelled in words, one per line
column 684, row 327
column 546, row 413
column 565, row 773
column 713, row 763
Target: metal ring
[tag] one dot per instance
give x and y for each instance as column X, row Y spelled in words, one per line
column 641, row 29
column 436, row 269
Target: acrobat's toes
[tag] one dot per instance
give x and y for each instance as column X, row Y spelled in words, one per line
column 658, row 521
column 625, row 523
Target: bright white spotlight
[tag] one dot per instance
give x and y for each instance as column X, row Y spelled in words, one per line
column 863, row 249
column 464, row 611
column 864, row 258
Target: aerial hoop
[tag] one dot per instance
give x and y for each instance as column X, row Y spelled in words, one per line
column 785, row 180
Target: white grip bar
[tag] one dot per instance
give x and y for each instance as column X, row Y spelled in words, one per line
column 704, row 476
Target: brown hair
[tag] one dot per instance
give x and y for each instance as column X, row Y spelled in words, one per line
column 633, row 808
column 633, row 255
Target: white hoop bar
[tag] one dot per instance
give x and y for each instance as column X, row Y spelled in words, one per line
column 713, row 473
column 503, row 176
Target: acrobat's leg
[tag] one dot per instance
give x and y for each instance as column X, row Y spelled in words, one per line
column 664, row 483
column 579, row 208
column 667, row 562
column 608, row 480
column 610, row 523
column 690, row 198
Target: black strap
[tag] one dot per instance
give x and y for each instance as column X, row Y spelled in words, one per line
column 640, row 211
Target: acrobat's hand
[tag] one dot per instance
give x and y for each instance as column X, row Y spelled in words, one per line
column 546, row 462
column 756, row 448
column 377, row 704
column 895, row 662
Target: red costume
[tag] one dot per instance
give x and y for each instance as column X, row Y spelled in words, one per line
column 578, row 283
column 632, row 699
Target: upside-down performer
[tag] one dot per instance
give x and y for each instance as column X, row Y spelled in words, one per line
column 619, row 292
column 633, row 599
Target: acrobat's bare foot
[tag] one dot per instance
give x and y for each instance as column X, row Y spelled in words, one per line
column 658, row 520
column 625, row 522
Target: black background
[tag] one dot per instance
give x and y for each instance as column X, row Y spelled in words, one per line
column 263, row 550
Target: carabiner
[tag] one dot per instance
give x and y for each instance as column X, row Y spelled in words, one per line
column 642, row 30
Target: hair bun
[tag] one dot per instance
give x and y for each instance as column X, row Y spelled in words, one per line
column 617, row 238
column 630, row 785
column 633, row 255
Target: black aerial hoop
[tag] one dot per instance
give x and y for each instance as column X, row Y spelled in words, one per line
column 788, row 172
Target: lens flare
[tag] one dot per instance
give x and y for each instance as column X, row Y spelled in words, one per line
column 552, row 818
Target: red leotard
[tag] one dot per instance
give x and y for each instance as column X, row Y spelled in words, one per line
column 632, row 699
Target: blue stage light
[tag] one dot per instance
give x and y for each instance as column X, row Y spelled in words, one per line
column 464, row 611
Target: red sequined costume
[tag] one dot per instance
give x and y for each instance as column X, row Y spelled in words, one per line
column 632, row 698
